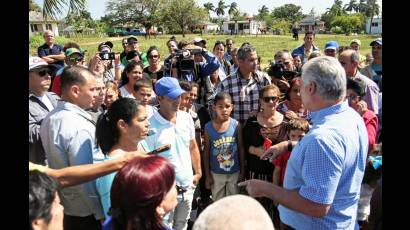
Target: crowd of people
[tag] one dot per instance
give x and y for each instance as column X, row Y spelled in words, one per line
column 136, row 141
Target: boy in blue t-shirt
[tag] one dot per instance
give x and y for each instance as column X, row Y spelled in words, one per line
column 224, row 155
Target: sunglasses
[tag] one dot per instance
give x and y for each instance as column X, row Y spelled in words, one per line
column 132, row 43
column 153, row 56
column 377, row 47
column 286, row 63
column 43, row 72
column 73, row 59
column 268, row 99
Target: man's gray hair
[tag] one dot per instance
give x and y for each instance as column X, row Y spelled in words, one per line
column 329, row 76
column 353, row 54
column 244, row 51
column 236, row 212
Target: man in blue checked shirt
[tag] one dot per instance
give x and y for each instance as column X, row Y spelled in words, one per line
column 325, row 170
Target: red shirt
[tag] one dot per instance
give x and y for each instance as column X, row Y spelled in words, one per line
column 281, row 161
column 56, row 87
column 372, row 124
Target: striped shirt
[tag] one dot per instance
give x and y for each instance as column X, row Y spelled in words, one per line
column 244, row 93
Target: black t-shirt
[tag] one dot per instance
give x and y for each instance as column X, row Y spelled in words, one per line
column 254, row 134
column 154, row 76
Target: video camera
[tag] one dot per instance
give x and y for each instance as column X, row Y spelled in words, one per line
column 182, row 60
column 277, row 70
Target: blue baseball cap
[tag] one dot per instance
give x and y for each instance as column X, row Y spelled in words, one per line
column 168, row 86
column 331, row 45
column 378, row 41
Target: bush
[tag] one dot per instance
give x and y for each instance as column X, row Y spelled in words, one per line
column 37, row 40
column 336, row 30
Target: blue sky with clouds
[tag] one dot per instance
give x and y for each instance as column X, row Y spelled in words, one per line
column 97, row 7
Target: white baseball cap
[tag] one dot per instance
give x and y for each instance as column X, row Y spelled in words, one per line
column 35, row 62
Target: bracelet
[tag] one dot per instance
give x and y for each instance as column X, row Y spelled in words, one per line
column 290, row 147
column 118, row 66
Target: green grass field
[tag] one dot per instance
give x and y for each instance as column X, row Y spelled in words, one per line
column 266, row 45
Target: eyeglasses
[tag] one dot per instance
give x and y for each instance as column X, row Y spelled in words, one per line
column 73, row 59
column 268, row 99
column 153, row 56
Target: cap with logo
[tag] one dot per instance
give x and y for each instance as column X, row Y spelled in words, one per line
column 36, row 62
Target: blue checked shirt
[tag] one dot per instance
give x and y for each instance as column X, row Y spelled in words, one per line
column 327, row 167
column 244, row 93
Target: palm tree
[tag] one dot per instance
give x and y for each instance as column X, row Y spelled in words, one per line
column 220, row 10
column 362, row 6
column 209, row 6
column 263, row 11
column 52, row 8
column 351, row 6
column 232, row 8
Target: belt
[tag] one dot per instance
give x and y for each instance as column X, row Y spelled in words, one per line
column 181, row 190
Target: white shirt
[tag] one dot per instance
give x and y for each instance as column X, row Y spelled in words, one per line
column 125, row 93
column 46, row 102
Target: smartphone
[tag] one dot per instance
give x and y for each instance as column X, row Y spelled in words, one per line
column 160, row 149
column 107, row 56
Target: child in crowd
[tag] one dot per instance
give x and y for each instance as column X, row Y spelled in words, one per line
column 224, row 155
column 143, row 94
column 111, row 94
column 298, row 127
column 185, row 106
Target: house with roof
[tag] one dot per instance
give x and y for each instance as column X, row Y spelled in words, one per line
column 242, row 27
column 311, row 24
column 37, row 24
column 374, row 26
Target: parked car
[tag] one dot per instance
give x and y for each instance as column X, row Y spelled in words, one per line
column 136, row 32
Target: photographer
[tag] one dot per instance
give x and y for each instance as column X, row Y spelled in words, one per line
column 106, row 63
column 183, row 65
column 283, row 71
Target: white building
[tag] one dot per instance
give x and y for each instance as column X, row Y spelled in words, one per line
column 37, row 24
column 376, row 26
column 242, row 27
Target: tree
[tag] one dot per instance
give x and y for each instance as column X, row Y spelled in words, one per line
column 209, row 7
column 232, row 8
column 347, row 22
column 143, row 12
column 288, row 12
column 220, row 10
column 80, row 21
column 362, row 6
column 182, row 13
column 52, row 8
column 262, row 13
column 32, row 6
column 351, row 6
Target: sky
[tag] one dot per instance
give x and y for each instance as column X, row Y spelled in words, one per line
column 97, row 7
